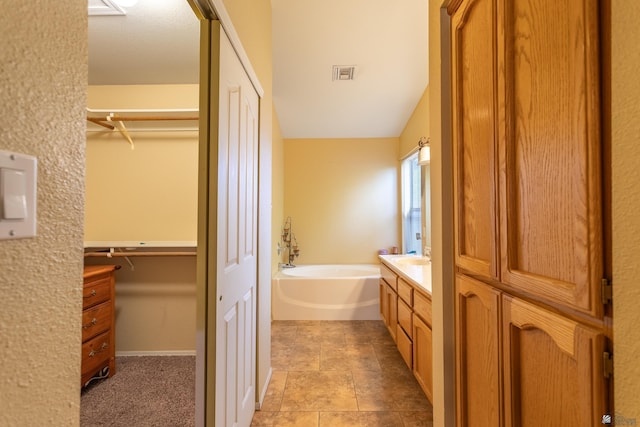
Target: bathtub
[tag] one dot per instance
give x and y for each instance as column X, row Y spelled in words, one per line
column 326, row 292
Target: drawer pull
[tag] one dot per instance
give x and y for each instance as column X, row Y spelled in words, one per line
column 93, row 293
column 90, row 324
column 103, row 348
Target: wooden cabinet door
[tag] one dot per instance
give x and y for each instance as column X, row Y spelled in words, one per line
column 474, row 115
column 477, row 319
column 550, row 153
column 422, row 356
column 389, row 308
column 553, row 372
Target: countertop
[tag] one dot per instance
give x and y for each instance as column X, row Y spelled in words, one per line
column 414, row 269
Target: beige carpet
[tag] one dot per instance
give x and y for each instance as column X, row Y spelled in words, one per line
column 145, row 391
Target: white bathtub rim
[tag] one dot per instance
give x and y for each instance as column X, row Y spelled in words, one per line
column 374, row 269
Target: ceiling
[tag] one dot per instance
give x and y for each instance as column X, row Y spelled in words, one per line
column 156, row 42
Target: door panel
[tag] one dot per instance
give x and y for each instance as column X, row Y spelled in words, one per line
column 553, row 372
column 474, row 137
column 551, row 162
column 236, row 229
column 478, row 370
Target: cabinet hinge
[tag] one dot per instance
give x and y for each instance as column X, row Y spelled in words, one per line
column 607, row 364
column 607, row 292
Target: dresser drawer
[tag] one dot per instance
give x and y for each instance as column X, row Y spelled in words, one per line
column 422, row 307
column 405, row 291
column 405, row 317
column 95, row 320
column 96, row 353
column 405, row 346
column 96, row 292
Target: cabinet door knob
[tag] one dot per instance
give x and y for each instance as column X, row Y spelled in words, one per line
column 93, row 293
column 90, row 324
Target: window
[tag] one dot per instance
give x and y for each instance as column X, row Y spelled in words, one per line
column 411, row 209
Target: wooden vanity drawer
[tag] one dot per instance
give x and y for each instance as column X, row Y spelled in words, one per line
column 422, row 307
column 405, row 317
column 405, row 347
column 389, row 276
column 95, row 320
column 405, row 291
column 96, row 352
column 96, row 292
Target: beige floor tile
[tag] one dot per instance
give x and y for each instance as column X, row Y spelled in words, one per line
column 319, row 391
column 388, row 391
column 360, row 419
column 340, row 373
column 417, row 419
column 335, row 357
column 263, row 419
column 273, row 396
column 296, row 419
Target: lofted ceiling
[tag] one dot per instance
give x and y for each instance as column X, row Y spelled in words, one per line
column 156, row 42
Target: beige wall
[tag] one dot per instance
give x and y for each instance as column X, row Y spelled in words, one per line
column 417, row 126
column 148, row 193
column 155, row 304
column 342, row 196
column 42, row 100
column 625, row 63
column 277, row 187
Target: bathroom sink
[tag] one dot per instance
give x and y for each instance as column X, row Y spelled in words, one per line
column 412, row 261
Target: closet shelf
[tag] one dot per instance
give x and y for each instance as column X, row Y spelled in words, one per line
column 140, row 120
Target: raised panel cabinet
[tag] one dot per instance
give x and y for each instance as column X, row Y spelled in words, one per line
column 478, row 370
column 423, row 356
column 389, row 308
column 550, row 156
column 475, row 136
column 553, row 371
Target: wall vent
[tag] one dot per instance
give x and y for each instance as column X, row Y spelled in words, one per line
column 343, row 72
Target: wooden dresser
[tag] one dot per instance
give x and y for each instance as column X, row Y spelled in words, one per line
column 98, row 321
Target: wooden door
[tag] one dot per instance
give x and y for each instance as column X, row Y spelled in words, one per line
column 553, row 373
column 550, row 165
column 474, row 136
column 236, row 266
column 478, row 369
column 423, row 356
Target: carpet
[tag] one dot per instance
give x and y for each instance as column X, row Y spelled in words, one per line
column 145, row 391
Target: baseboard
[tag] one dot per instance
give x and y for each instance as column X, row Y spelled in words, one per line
column 157, row 353
column 263, row 393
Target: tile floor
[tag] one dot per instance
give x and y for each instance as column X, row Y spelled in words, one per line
column 340, row 373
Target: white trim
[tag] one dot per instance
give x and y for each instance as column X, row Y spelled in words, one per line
column 263, row 393
column 157, row 353
column 227, row 25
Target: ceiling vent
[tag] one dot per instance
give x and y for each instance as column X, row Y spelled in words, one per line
column 343, row 72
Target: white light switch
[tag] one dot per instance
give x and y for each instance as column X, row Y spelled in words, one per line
column 18, row 177
column 13, row 191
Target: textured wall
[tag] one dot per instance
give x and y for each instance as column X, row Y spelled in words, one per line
column 43, row 80
column 625, row 62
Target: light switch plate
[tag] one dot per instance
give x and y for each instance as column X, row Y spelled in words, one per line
column 18, row 179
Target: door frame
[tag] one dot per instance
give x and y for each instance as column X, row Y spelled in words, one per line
column 211, row 13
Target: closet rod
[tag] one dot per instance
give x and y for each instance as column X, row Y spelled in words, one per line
column 132, row 254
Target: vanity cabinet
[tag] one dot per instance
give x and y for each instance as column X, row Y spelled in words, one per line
column 422, row 343
column 389, row 307
column 529, row 162
column 409, row 324
column 98, row 327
